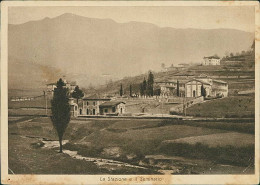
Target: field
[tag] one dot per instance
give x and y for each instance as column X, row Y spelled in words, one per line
column 132, row 142
column 234, row 106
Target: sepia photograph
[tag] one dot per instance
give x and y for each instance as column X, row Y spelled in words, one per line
column 129, row 92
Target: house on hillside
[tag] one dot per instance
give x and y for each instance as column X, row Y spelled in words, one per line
column 51, row 86
column 219, row 88
column 112, row 108
column 212, row 60
column 90, row 105
column 169, row 87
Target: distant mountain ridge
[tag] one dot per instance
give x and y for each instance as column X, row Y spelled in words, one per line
column 87, row 48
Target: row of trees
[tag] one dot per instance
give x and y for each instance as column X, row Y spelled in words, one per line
column 146, row 87
column 242, row 53
column 121, row 92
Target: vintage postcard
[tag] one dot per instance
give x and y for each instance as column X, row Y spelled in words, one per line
column 129, row 92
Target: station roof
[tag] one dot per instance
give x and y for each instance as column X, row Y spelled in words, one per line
column 111, row 103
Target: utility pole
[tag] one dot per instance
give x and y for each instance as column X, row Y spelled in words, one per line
column 162, row 108
column 185, row 106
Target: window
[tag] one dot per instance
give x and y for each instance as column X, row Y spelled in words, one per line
column 87, row 112
column 105, row 110
column 94, row 103
column 94, row 111
column 87, row 102
column 113, row 109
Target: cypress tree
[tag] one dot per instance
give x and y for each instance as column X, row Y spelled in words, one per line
column 141, row 89
column 150, row 83
column 144, row 87
column 203, row 91
column 121, row 90
column 130, row 89
column 77, row 93
column 60, row 109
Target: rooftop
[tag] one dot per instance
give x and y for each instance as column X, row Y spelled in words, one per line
column 96, row 97
column 199, row 81
column 219, row 81
column 212, row 57
column 111, row 103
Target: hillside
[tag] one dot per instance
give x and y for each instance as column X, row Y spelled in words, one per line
column 230, row 73
column 94, row 51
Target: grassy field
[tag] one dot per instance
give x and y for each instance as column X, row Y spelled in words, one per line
column 124, row 140
column 220, row 139
column 235, row 106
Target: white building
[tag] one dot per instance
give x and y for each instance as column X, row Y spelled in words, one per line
column 70, row 85
column 212, row 60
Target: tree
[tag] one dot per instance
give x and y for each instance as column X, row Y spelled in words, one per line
column 141, row 89
column 144, row 87
column 216, row 55
column 121, row 90
column 130, row 89
column 60, row 109
column 226, row 54
column 150, row 83
column 203, row 91
column 77, row 93
column 163, row 65
column 178, row 88
column 253, row 45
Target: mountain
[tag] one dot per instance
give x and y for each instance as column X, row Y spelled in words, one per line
column 91, row 50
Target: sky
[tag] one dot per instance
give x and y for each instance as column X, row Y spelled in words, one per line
column 235, row 17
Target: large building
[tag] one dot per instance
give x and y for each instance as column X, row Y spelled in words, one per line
column 212, row 60
column 192, row 87
column 90, row 105
column 98, row 105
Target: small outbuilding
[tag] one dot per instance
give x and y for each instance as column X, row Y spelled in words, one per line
column 112, row 108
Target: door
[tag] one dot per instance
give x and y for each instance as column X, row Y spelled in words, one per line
column 80, row 111
column 121, row 110
column 194, row 93
column 94, row 111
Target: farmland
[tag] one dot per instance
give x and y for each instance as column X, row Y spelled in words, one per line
column 137, row 142
column 234, row 106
